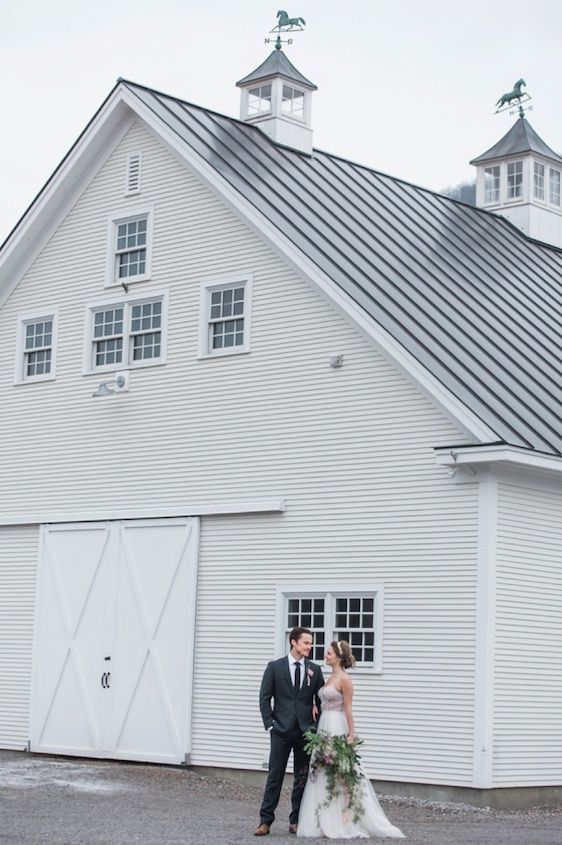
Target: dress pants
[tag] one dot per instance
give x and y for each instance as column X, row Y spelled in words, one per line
column 281, row 747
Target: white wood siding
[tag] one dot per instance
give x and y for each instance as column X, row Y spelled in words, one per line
column 351, row 450
column 528, row 670
column 19, row 547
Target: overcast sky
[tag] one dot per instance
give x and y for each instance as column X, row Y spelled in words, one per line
column 405, row 86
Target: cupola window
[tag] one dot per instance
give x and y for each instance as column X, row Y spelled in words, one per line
column 554, row 187
column 293, row 102
column 514, row 179
column 492, row 184
column 538, row 181
column 259, row 100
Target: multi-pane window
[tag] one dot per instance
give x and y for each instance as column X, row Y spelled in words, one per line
column 336, row 616
column 226, row 318
column 554, row 186
column 293, row 102
column 538, row 180
column 514, row 179
column 492, row 184
column 146, row 335
column 355, row 622
column 127, row 333
column 131, row 247
column 309, row 613
column 108, row 336
column 38, row 348
column 259, row 100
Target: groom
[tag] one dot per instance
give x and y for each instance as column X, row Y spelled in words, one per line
column 293, row 683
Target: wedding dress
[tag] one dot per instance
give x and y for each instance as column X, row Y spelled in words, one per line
column 335, row 821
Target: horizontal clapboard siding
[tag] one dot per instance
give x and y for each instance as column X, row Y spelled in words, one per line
column 351, row 450
column 528, row 671
column 18, row 571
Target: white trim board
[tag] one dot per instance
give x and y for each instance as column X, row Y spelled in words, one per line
column 207, row 509
column 455, row 456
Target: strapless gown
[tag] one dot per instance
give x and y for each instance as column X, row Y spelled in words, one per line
column 334, row 821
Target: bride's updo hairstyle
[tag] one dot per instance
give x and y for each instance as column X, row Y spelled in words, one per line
column 343, row 652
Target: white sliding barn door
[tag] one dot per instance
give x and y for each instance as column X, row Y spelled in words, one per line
column 114, row 640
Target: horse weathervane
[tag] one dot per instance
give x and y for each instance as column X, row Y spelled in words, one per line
column 285, row 24
column 504, row 102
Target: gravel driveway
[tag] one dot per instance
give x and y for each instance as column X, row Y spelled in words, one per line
column 47, row 801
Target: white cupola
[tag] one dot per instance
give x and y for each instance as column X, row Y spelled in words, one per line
column 276, row 97
column 519, row 178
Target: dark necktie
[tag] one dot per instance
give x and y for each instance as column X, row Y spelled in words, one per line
column 297, row 676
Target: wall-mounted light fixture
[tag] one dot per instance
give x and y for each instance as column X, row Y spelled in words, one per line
column 120, row 385
column 336, row 361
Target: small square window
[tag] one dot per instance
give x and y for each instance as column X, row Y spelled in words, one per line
column 293, row 102
column 538, row 180
column 554, row 187
column 259, row 100
column 492, row 184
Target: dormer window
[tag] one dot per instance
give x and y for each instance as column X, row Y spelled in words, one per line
column 538, row 181
column 514, row 180
column 554, row 186
column 293, row 102
column 259, row 100
column 492, row 184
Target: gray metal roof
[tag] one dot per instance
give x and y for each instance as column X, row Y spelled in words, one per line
column 521, row 138
column 464, row 291
column 277, row 64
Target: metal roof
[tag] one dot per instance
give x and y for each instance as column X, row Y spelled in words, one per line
column 277, row 64
column 521, row 138
column 463, row 290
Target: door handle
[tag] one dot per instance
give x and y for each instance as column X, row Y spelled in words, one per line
column 107, row 679
column 104, row 680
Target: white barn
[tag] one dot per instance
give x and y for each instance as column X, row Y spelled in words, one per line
column 246, row 384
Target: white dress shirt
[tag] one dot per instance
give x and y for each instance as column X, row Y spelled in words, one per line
column 292, row 663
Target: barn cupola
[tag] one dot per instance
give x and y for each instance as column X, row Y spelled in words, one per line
column 520, row 178
column 276, row 97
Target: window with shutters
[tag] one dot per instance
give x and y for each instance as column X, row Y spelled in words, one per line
column 36, row 347
column 129, row 248
column 352, row 614
column 225, row 316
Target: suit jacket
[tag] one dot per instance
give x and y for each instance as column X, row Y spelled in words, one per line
column 289, row 705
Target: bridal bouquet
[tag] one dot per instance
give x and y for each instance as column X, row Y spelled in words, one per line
column 339, row 761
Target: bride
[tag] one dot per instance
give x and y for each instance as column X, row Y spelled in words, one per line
column 317, row 817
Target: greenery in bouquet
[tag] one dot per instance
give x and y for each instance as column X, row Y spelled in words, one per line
column 339, row 761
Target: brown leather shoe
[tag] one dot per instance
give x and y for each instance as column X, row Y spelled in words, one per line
column 262, row 829
column 293, row 828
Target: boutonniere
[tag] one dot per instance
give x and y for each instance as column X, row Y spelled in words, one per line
column 309, row 675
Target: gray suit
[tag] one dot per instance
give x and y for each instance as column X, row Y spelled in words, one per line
column 288, row 718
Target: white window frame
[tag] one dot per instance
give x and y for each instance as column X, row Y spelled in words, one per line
column 261, row 112
column 330, row 591
column 207, row 287
column 536, row 176
column 111, row 278
column 520, row 196
column 116, row 300
column 290, row 114
column 494, row 176
column 550, row 201
column 24, row 320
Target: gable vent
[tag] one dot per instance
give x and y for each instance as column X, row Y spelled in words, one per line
column 133, row 174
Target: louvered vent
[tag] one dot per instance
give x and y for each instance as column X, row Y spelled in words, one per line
column 133, row 174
